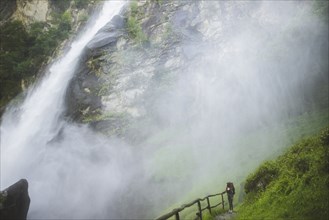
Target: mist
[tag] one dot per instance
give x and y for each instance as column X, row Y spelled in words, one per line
column 248, row 75
column 223, row 114
column 253, row 68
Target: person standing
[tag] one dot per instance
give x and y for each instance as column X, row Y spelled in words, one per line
column 230, row 190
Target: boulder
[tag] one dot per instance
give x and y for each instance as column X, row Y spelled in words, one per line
column 108, row 34
column 15, row 201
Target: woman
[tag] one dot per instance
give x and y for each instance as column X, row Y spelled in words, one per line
column 230, row 190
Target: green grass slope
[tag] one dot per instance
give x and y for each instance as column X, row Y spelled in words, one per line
column 293, row 186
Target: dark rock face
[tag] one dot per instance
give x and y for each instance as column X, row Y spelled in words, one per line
column 82, row 95
column 108, row 34
column 79, row 96
column 7, row 8
column 15, row 201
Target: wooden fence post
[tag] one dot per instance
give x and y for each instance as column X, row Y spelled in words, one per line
column 177, row 215
column 209, row 208
column 222, row 200
column 200, row 211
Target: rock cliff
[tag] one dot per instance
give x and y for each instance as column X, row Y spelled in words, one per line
column 32, row 11
column 129, row 69
column 125, row 73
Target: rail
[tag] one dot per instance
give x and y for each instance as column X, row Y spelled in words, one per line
column 175, row 212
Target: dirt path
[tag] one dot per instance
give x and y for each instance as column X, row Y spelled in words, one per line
column 226, row 216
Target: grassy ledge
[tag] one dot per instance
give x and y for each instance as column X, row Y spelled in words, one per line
column 293, row 186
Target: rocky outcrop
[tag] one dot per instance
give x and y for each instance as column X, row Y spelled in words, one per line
column 82, row 95
column 123, row 77
column 129, row 72
column 15, row 201
column 32, row 11
column 108, row 34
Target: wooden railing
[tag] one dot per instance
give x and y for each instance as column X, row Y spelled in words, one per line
column 175, row 212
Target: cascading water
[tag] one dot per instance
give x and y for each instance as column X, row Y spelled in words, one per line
column 215, row 82
column 27, row 150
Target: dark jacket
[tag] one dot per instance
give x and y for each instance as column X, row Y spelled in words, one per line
column 230, row 188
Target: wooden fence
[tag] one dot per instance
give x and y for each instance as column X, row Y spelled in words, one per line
column 175, row 212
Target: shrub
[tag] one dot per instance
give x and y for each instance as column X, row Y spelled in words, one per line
column 297, row 184
column 324, row 136
column 259, row 180
column 133, row 26
column 135, row 30
column 134, row 8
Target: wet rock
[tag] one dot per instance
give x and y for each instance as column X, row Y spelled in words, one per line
column 7, row 8
column 15, row 201
column 108, row 34
column 81, row 97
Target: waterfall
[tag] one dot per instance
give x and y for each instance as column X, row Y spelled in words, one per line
column 217, row 82
column 54, row 169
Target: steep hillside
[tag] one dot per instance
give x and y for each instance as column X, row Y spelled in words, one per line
column 294, row 186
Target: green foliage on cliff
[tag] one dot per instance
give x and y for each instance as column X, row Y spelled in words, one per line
column 294, row 186
column 135, row 30
column 24, row 50
column 133, row 25
column 265, row 175
column 81, row 3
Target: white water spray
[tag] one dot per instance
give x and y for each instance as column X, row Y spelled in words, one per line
column 241, row 81
column 27, row 150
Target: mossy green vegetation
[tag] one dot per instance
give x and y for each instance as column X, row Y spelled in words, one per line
column 133, row 24
column 293, row 186
column 102, row 117
column 280, row 137
column 118, row 122
column 206, row 215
